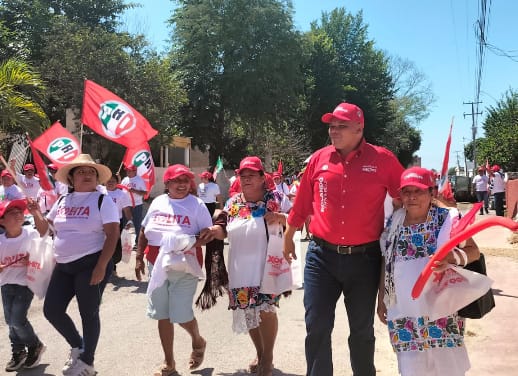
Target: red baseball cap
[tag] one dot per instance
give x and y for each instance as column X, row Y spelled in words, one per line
column 277, row 175
column 250, row 163
column 205, row 174
column 177, row 170
column 29, row 166
column 52, row 167
column 130, row 167
column 495, row 168
column 6, row 173
column 418, row 177
column 345, row 112
column 6, row 205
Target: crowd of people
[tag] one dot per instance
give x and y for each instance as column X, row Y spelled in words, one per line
column 341, row 197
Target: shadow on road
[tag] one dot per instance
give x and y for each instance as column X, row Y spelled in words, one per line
column 499, row 293
column 121, row 282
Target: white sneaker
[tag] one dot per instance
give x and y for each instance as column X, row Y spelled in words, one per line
column 80, row 368
column 72, row 359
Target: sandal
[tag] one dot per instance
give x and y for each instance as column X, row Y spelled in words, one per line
column 197, row 356
column 253, row 367
column 165, row 370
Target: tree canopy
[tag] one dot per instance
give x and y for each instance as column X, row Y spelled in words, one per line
column 500, row 144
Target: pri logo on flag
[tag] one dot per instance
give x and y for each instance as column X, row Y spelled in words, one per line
column 63, row 150
column 144, row 163
column 117, row 119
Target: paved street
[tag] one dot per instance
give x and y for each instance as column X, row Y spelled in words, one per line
column 129, row 343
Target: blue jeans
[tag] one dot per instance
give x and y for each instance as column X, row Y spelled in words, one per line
column 136, row 212
column 327, row 275
column 483, row 196
column 69, row 280
column 16, row 300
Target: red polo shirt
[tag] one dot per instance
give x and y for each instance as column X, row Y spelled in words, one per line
column 345, row 195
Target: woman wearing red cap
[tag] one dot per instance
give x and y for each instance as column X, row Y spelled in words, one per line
column 175, row 224
column 423, row 346
column 251, row 214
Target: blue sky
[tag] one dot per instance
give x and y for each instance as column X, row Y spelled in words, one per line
column 438, row 36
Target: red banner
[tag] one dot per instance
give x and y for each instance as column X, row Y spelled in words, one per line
column 58, row 144
column 279, row 167
column 113, row 118
column 41, row 168
column 141, row 158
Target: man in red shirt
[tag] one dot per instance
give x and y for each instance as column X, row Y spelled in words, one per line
column 343, row 188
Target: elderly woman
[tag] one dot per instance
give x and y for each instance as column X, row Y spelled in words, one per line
column 86, row 229
column 176, row 223
column 248, row 213
column 424, row 347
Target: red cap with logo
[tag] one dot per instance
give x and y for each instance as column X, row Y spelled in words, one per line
column 206, row 175
column 251, row 163
column 345, row 112
column 418, row 177
column 29, row 166
column 175, row 171
column 130, row 167
column 6, row 205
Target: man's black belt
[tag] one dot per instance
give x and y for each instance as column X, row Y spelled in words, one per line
column 345, row 249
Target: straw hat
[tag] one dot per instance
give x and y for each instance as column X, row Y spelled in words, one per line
column 103, row 172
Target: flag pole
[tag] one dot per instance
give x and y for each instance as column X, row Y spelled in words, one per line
column 81, row 137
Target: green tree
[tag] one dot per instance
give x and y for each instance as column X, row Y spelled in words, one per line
column 242, row 78
column 21, row 90
column 350, row 69
column 500, row 144
column 120, row 62
column 30, row 20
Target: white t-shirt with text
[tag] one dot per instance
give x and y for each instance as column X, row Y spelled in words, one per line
column 78, row 224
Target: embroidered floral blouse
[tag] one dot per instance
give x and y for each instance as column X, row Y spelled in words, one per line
column 420, row 333
column 247, row 238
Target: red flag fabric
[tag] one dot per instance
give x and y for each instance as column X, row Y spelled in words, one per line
column 58, row 144
column 41, row 168
column 141, row 158
column 279, row 167
column 444, row 171
column 113, row 118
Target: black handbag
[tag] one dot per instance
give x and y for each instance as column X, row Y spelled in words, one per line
column 480, row 307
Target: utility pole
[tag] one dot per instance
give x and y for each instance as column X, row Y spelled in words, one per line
column 473, row 131
column 465, row 161
column 458, row 162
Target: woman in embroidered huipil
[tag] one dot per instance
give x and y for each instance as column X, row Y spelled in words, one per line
column 424, row 347
column 248, row 212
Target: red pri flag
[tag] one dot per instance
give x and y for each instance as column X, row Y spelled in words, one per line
column 113, row 118
column 141, row 158
column 58, row 144
column 41, row 168
column 444, row 171
column 279, row 167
